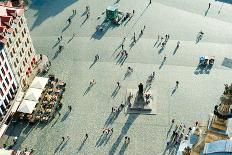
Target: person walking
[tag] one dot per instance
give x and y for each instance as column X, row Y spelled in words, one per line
column 70, row 108
column 96, row 57
column 165, row 58
column 150, row 2
column 177, row 83
column 161, row 39
column 209, row 5
column 69, row 20
column 126, row 54
column 86, row 136
column 173, row 121
column 63, row 139
column 178, row 44
column 61, row 37
column 122, row 46
column 118, row 84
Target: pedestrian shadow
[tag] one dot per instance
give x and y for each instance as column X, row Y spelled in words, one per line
column 123, row 60
column 130, row 120
column 127, row 74
column 206, row 12
column 108, row 120
column 84, row 21
column 55, row 122
column 58, row 147
column 108, row 138
column 132, row 44
column 65, row 116
column 159, row 45
column 161, row 65
column 63, row 146
column 99, row 140
column 102, row 140
column 161, row 50
column 118, row 55
column 169, row 130
column 174, row 90
column 70, row 39
column 156, row 43
column 123, row 149
column 92, row 64
column 81, row 146
column 57, row 43
column 127, row 21
column 84, row 13
column 175, row 50
column 56, row 54
column 65, row 28
column 87, row 90
column 115, row 92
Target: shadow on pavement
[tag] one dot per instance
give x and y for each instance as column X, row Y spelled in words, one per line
column 42, row 6
column 130, row 120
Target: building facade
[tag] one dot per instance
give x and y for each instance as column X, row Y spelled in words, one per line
column 8, row 84
column 18, row 43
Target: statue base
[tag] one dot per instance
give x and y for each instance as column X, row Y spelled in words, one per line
column 144, row 103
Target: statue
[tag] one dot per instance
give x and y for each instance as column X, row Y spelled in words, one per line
column 140, row 88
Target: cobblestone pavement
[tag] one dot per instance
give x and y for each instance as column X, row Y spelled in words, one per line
column 193, row 100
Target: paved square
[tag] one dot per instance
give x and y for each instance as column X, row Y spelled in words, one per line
column 193, row 100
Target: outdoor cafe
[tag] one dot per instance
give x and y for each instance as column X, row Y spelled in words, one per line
column 42, row 100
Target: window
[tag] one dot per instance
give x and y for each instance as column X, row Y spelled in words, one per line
column 15, row 65
column 7, row 44
column 17, row 60
column 27, row 40
column 16, row 30
column 26, row 44
column 4, row 86
column 10, row 41
column 3, row 72
column 13, row 50
column 19, row 24
column 26, row 60
column 21, row 20
column 7, row 81
column 14, row 34
column 14, row 87
column 22, row 50
column 6, row 67
column 1, row 55
column 17, row 44
column 29, row 54
column 22, row 34
column 20, row 53
column 11, row 54
column 0, row 78
column 10, row 76
column 18, row 74
column 24, row 64
column 30, row 50
column 1, row 92
column 19, row 40
column 24, row 30
column 20, row 70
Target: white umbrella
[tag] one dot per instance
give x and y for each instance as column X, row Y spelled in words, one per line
column 27, row 106
column 33, row 94
column 39, row 82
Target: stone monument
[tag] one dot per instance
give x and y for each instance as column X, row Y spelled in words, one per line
column 139, row 101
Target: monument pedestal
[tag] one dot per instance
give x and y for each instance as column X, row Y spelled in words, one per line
column 140, row 103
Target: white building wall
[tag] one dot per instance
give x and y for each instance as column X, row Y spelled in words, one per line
column 20, row 49
column 8, row 80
